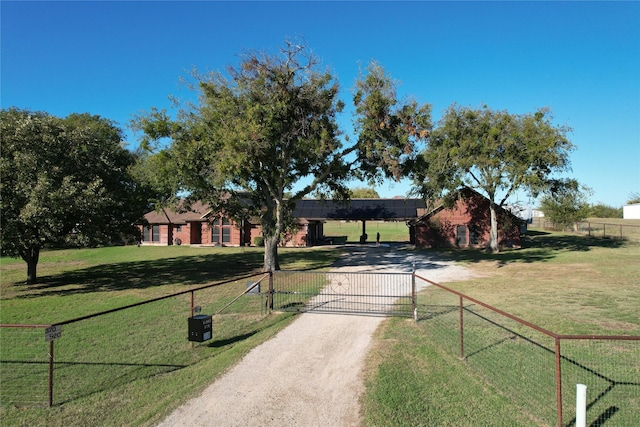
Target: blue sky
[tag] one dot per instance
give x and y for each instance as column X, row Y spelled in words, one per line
column 581, row 59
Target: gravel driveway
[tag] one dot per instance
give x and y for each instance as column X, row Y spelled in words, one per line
column 313, row 376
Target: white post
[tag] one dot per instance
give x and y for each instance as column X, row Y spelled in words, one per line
column 581, row 405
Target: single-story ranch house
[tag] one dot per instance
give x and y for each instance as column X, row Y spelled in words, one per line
column 467, row 224
column 201, row 226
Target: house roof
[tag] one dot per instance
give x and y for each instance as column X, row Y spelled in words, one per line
column 313, row 210
column 468, row 192
column 359, row 209
column 197, row 212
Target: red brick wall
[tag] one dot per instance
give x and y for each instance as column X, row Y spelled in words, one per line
column 472, row 213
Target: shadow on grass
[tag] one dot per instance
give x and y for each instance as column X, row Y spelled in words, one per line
column 182, row 270
column 581, row 365
column 537, row 246
column 232, row 340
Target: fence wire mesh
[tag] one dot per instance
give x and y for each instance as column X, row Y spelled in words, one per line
column 611, row 371
column 388, row 294
column 516, row 360
column 24, row 366
column 616, row 230
column 109, row 350
column 112, row 349
column 519, row 362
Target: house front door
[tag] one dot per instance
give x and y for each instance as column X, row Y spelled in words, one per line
column 196, row 233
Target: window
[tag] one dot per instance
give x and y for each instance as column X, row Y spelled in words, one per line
column 474, row 235
column 151, row 234
column 178, row 228
column 461, row 235
column 221, row 228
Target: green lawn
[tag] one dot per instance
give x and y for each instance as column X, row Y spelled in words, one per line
column 390, row 231
column 129, row 367
column 565, row 283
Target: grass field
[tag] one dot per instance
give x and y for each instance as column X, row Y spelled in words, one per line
column 134, row 366
column 563, row 282
column 390, row 231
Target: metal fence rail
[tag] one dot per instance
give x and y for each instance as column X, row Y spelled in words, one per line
column 594, row 229
column 536, row 368
column 385, row 294
column 106, row 350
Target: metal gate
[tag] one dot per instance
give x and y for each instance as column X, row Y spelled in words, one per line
column 381, row 294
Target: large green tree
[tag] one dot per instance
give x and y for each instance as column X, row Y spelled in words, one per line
column 566, row 203
column 62, row 177
column 494, row 152
column 270, row 123
column 363, row 193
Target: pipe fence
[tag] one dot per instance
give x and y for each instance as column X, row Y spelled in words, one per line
column 594, row 229
column 114, row 347
column 534, row 367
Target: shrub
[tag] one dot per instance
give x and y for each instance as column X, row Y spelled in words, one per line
column 258, row 241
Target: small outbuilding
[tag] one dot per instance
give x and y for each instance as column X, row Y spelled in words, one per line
column 631, row 211
column 466, row 224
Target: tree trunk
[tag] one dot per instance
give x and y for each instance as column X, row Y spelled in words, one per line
column 272, row 226
column 493, row 233
column 271, row 254
column 31, row 257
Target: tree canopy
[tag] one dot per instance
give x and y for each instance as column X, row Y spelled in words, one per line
column 567, row 203
column 270, row 123
column 493, row 152
column 62, row 178
column 363, row 193
column 633, row 198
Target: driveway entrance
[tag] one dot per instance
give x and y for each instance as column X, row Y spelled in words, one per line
column 364, row 293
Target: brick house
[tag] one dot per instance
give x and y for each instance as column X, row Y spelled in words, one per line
column 466, row 224
column 201, row 226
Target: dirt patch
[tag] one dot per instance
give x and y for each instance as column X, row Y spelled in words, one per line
column 310, row 374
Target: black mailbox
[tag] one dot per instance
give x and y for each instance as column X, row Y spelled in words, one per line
column 200, row 328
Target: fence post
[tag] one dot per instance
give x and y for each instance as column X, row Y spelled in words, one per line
column 461, row 331
column 270, row 294
column 51, row 373
column 558, row 382
column 581, row 405
column 192, row 306
column 414, row 307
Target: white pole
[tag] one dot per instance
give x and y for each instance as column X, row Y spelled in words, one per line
column 581, row 405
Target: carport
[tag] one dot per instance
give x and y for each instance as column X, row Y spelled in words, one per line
column 315, row 210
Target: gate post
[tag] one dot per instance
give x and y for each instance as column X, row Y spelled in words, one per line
column 51, row 373
column 414, row 308
column 270, row 294
column 558, row 381
column 461, row 326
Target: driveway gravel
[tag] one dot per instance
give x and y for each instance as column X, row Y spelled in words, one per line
column 310, row 374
